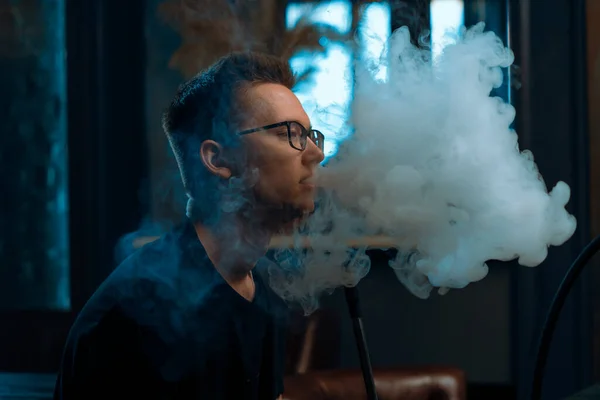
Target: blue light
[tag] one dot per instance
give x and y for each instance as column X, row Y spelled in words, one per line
column 328, row 94
column 446, row 16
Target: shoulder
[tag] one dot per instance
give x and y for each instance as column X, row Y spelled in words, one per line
column 153, row 288
column 102, row 356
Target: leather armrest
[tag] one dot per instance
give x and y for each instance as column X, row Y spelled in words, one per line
column 419, row 383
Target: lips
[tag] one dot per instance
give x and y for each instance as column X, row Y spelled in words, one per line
column 309, row 180
column 308, row 183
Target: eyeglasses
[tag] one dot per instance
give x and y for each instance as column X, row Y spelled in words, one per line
column 297, row 134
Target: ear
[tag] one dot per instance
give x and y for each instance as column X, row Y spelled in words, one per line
column 211, row 154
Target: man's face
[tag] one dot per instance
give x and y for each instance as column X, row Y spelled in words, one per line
column 285, row 174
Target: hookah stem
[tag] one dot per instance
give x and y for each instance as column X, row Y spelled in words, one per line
column 363, row 353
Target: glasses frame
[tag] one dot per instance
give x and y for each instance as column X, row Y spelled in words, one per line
column 315, row 135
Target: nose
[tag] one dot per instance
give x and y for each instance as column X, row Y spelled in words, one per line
column 312, row 153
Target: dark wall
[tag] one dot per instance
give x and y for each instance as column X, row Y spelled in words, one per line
column 161, row 82
column 107, row 141
column 468, row 328
column 593, row 73
column 104, row 139
column 549, row 42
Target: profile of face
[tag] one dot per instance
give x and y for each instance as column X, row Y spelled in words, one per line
column 283, row 174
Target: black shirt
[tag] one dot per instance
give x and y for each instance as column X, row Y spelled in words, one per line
column 166, row 325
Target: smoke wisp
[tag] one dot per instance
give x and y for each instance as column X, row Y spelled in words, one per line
column 433, row 165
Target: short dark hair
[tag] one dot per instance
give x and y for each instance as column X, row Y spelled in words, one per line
column 208, row 107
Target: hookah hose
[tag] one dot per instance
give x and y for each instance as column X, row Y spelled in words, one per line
column 352, row 301
column 555, row 308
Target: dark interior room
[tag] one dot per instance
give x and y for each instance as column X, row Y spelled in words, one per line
column 89, row 179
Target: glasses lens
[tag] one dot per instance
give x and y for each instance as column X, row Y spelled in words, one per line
column 297, row 136
column 318, row 138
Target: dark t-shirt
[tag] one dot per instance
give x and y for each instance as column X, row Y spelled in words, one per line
column 166, row 325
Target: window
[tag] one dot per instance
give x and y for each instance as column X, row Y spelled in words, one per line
column 446, row 17
column 327, row 96
column 328, row 93
column 33, row 157
column 374, row 32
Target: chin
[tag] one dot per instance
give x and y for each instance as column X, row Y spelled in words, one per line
column 306, row 208
column 295, row 215
column 306, row 202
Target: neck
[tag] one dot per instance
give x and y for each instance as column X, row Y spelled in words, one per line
column 234, row 245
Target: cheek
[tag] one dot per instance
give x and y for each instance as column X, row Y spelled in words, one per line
column 279, row 171
column 278, row 181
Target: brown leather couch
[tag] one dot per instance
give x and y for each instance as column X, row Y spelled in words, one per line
column 314, row 355
column 414, row 383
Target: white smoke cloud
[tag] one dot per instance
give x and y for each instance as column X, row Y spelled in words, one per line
column 434, row 165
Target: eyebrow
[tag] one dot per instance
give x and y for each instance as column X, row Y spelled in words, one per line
column 298, row 122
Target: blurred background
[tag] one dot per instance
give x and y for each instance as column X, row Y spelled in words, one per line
column 84, row 161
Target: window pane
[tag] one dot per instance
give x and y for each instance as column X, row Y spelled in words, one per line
column 335, row 13
column 446, row 17
column 33, row 156
column 327, row 95
column 374, row 33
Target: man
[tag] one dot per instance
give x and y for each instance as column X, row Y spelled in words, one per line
column 185, row 317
